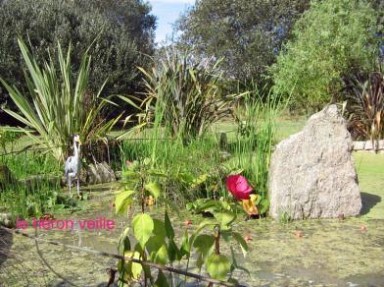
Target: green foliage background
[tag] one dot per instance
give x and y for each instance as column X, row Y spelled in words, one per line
column 247, row 34
column 332, row 40
column 124, row 33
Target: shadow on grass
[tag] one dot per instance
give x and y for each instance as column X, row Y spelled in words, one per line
column 6, row 239
column 369, row 201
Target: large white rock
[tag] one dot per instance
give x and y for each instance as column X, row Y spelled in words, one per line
column 312, row 173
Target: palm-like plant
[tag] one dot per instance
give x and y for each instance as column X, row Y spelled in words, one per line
column 365, row 108
column 61, row 105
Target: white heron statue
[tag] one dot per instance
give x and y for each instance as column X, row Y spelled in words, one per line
column 73, row 165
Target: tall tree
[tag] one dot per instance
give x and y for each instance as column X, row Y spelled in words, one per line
column 333, row 39
column 247, row 34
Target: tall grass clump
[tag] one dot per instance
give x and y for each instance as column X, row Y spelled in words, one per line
column 190, row 171
column 255, row 138
column 61, row 103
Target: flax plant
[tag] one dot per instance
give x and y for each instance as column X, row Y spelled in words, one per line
column 189, row 94
column 365, row 108
column 60, row 105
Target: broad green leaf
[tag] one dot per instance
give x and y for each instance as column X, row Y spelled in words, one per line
column 123, row 200
column 161, row 256
column 225, row 218
column 168, row 227
column 142, row 228
column 203, row 243
column 204, row 224
column 154, row 188
column 133, row 270
column 159, row 229
column 173, row 251
column 218, row 266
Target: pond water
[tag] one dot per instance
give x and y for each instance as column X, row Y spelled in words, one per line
column 347, row 252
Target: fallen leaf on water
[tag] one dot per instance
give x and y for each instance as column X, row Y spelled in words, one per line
column 248, row 238
column 363, row 228
column 298, row 233
column 188, row 222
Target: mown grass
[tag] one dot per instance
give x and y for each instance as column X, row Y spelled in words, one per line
column 370, row 169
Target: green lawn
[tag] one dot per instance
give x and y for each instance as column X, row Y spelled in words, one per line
column 370, row 169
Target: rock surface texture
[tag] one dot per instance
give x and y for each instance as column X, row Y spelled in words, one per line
column 312, row 173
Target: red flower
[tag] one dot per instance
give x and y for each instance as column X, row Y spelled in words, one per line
column 238, row 186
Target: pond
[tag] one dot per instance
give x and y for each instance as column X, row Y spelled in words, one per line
column 337, row 252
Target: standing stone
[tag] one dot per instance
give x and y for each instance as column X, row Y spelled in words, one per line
column 312, row 174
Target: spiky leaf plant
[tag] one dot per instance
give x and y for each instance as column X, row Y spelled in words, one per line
column 365, row 108
column 187, row 96
column 61, row 105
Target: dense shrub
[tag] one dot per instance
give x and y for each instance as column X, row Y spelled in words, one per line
column 331, row 40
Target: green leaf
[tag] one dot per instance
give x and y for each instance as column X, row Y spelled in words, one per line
column 204, row 224
column 161, row 256
column 154, row 188
column 168, row 227
column 133, row 270
column 243, row 244
column 153, row 245
column 159, row 229
column 161, row 280
column 218, row 266
column 225, row 218
column 203, row 243
column 142, row 228
column 185, row 248
column 173, row 251
column 124, row 242
column 123, row 200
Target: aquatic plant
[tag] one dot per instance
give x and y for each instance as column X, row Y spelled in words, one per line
column 156, row 239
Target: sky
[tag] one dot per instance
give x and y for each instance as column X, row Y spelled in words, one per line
column 167, row 12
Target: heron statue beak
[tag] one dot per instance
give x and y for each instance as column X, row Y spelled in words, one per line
column 77, row 139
